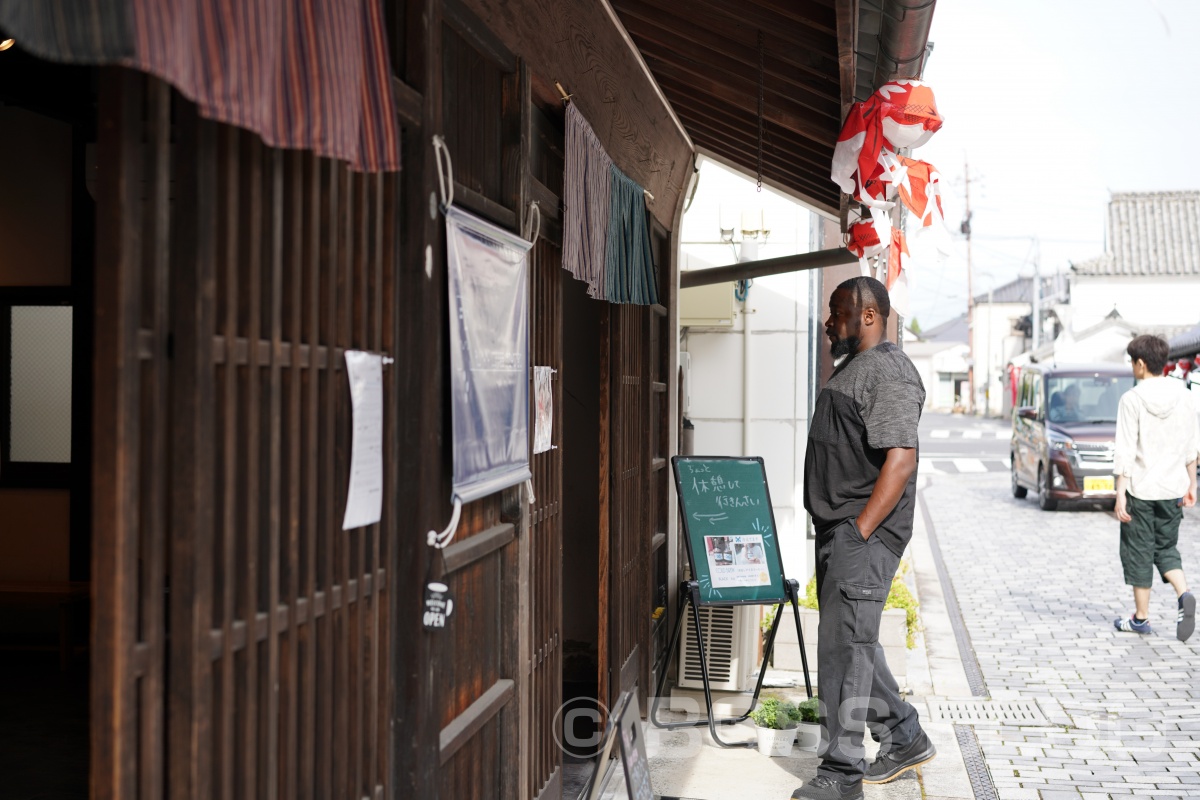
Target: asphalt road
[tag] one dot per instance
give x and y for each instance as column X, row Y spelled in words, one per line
column 955, row 444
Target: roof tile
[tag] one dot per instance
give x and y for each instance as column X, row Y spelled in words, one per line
column 1149, row 233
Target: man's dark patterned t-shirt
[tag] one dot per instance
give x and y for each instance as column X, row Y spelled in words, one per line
column 871, row 404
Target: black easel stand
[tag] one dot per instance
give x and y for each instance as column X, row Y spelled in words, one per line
column 689, row 593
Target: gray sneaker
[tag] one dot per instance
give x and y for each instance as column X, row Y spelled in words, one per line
column 822, row 788
column 1185, row 622
column 890, row 765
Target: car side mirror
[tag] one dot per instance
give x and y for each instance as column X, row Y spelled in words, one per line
column 1027, row 412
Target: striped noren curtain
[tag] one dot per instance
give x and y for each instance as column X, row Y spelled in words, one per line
column 304, row 74
column 606, row 241
column 586, row 203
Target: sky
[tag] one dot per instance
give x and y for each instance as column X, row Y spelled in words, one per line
column 1054, row 104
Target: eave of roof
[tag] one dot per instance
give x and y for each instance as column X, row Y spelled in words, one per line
column 816, row 54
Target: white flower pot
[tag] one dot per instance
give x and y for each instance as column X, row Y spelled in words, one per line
column 773, row 742
column 808, row 736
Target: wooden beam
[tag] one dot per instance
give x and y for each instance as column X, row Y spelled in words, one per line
column 723, row 65
column 579, row 45
column 757, row 17
column 420, row 304
column 779, row 145
column 408, row 103
column 721, row 35
column 468, row 723
column 847, row 46
column 470, row 550
column 769, row 266
column 816, row 15
column 807, row 186
column 782, row 112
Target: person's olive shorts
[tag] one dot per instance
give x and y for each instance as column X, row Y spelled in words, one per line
column 1149, row 540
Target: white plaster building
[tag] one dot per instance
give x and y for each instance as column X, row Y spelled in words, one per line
column 940, row 356
column 776, row 422
column 1001, row 331
column 1150, row 271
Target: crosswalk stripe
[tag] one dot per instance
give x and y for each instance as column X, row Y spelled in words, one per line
column 939, row 434
column 1002, row 434
column 954, row 465
column 972, row 434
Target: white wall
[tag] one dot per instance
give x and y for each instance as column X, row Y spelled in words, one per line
column 1107, row 344
column 994, row 346
column 1159, row 301
column 779, row 310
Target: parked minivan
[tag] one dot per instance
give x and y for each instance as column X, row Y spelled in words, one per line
column 1064, row 430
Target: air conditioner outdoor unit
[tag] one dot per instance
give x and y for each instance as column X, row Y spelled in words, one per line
column 731, row 637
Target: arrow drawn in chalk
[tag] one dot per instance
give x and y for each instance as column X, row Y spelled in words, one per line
column 713, row 519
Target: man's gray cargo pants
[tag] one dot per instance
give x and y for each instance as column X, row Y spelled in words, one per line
column 855, row 686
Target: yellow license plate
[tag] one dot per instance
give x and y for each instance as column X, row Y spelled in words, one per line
column 1104, row 484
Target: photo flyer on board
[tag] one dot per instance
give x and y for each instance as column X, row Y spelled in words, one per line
column 737, row 561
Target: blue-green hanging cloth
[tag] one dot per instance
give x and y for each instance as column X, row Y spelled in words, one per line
column 629, row 264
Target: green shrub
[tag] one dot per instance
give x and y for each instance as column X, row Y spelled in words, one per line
column 771, row 712
column 899, row 596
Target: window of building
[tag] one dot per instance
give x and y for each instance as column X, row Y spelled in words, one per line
column 36, row 363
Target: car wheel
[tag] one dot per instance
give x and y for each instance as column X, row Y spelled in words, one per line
column 1044, row 501
column 1018, row 490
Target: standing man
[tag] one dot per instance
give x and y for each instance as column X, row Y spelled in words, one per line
column 1155, row 464
column 860, row 483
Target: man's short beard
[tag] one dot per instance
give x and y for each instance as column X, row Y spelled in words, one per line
column 847, row 346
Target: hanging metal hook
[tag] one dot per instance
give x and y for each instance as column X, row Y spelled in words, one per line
column 445, row 171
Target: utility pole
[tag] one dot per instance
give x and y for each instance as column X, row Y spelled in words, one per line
column 1036, row 315
column 966, row 230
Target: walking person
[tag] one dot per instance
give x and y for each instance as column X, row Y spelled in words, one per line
column 1158, row 443
column 860, row 482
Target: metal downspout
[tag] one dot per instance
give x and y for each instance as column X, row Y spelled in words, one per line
column 903, row 35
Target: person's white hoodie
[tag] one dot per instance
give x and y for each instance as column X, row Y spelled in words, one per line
column 1157, row 437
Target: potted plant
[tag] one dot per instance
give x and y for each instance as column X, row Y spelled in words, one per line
column 808, row 725
column 898, row 628
column 776, row 727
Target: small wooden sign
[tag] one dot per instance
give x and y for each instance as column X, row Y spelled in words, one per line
column 438, row 606
column 633, row 752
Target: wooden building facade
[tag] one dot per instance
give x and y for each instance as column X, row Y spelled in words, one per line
column 242, row 645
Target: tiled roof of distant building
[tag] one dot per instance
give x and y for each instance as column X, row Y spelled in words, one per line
column 1149, row 233
column 953, row 330
column 1021, row 291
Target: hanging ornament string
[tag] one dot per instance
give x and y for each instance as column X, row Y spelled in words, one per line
column 760, row 107
column 868, row 165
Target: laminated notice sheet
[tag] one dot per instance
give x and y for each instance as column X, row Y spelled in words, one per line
column 364, row 500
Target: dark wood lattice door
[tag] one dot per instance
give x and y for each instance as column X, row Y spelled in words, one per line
column 545, row 540
column 629, row 540
column 242, row 636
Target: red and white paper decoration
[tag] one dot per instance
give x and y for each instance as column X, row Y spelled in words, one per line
column 867, row 165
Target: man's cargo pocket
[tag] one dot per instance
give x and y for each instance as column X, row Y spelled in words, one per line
column 866, row 602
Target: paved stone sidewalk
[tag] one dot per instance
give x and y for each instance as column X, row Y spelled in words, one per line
column 1038, row 592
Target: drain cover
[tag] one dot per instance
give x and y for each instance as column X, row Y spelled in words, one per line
column 982, row 712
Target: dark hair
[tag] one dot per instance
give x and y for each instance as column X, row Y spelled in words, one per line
column 869, row 292
column 1150, row 349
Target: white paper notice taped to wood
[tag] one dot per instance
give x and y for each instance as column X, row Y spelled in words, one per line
column 364, row 500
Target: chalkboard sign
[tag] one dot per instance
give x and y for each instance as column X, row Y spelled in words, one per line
column 733, row 545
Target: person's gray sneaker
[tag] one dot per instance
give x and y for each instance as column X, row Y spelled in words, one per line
column 1185, row 623
column 890, row 765
column 822, row 788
